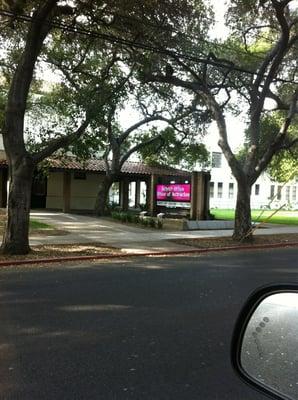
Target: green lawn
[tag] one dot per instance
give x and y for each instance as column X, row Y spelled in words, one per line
column 34, row 224
column 281, row 217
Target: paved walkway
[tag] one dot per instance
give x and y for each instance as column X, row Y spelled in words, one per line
column 87, row 229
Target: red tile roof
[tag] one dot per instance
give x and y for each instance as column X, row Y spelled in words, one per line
column 129, row 167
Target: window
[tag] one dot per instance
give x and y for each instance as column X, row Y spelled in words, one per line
column 80, row 175
column 143, row 193
column 216, row 159
column 288, row 193
column 271, row 191
column 211, row 190
column 279, row 188
column 114, row 194
column 294, row 193
column 219, row 190
column 231, row 190
column 257, row 189
column 132, row 194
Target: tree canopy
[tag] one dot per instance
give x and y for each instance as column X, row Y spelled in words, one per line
column 105, row 51
column 257, row 63
column 67, row 35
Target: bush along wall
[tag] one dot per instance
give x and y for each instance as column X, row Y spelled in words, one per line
column 128, row 217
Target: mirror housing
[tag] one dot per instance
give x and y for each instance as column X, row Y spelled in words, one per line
column 265, row 338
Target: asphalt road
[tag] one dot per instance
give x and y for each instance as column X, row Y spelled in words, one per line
column 155, row 328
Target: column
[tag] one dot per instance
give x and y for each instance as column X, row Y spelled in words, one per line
column 152, row 195
column 207, row 177
column 147, row 194
column 66, row 191
column 124, row 194
column 197, row 196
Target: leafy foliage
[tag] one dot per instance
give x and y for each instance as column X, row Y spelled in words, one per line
column 185, row 152
column 284, row 165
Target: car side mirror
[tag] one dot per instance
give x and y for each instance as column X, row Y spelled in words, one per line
column 265, row 342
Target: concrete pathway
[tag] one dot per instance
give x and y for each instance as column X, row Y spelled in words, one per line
column 87, row 229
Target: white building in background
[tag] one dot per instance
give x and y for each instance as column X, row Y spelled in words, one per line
column 265, row 192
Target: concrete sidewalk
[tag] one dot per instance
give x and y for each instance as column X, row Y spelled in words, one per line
column 131, row 239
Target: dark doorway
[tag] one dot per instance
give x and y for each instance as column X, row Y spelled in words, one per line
column 4, row 188
column 39, row 192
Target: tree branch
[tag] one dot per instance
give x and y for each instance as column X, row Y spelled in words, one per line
column 138, row 124
column 57, row 143
column 279, row 141
column 272, row 62
column 222, row 130
column 280, row 104
column 193, row 86
column 187, row 68
column 66, row 72
column 136, row 148
column 76, row 68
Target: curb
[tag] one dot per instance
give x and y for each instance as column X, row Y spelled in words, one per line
column 149, row 254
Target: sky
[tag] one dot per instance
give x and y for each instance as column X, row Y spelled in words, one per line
column 235, row 126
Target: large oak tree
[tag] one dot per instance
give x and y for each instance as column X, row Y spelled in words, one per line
column 257, row 63
column 28, row 28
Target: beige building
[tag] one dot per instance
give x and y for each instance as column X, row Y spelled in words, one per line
column 71, row 186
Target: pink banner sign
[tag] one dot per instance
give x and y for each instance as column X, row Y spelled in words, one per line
column 173, row 192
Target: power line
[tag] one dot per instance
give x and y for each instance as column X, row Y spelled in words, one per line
column 143, row 46
column 188, row 36
column 173, row 30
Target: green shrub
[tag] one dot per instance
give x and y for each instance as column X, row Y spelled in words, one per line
column 129, row 217
column 211, row 216
column 122, row 217
column 151, row 222
column 115, row 215
column 159, row 223
column 113, row 206
column 135, row 219
column 144, row 221
column 142, row 206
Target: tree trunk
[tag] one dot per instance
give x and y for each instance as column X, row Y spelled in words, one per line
column 242, row 227
column 101, row 203
column 16, row 234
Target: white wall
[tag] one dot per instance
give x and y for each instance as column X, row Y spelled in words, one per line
column 289, row 192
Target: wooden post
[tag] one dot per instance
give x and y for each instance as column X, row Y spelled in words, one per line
column 124, row 194
column 147, row 194
column 197, row 196
column 207, row 177
column 66, row 191
column 152, row 195
column 194, row 195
